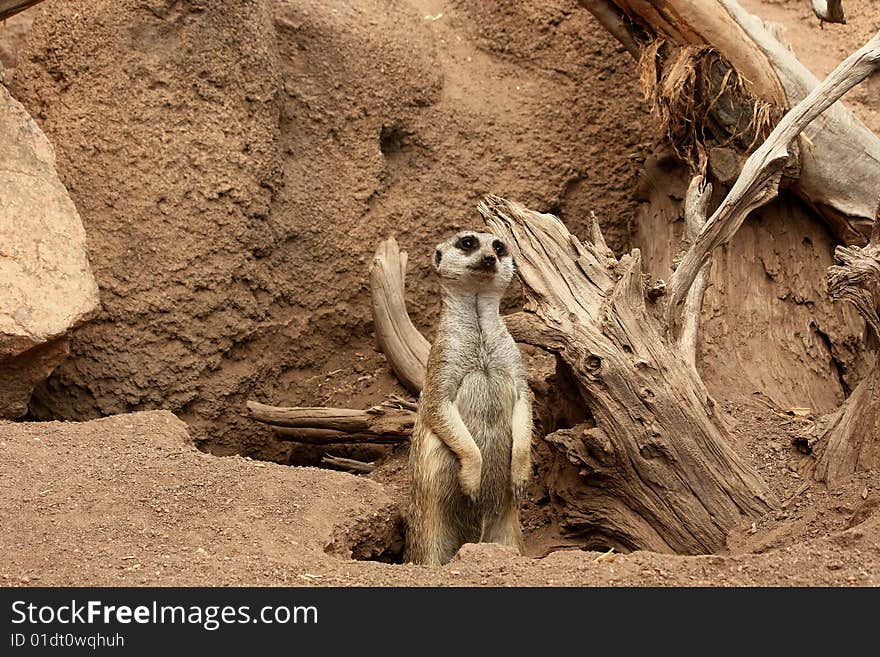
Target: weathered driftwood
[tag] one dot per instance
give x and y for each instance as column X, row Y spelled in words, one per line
column 390, row 422
column 11, row 7
column 352, row 465
column 829, row 11
column 656, row 472
column 696, row 206
column 759, row 181
column 840, row 157
column 400, row 341
column 849, row 439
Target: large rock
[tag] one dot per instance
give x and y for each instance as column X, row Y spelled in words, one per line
column 46, row 285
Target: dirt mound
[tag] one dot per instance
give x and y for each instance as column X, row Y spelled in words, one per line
column 236, row 166
column 166, row 135
column 127, row 500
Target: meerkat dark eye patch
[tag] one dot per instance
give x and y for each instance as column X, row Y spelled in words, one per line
column 437, row 257
column 499, row 248
column 467, row 243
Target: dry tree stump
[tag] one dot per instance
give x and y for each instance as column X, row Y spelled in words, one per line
column 848, row 440
column 657, row 471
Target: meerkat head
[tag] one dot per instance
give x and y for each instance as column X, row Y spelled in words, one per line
column 475, row 262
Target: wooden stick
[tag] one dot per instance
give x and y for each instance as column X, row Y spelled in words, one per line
column 11, row 7
column 758, row 183
column 385, row 423
column 612, row 20
column 696, row 205
column 349, row 464
column 405, row 348
column 332, row 437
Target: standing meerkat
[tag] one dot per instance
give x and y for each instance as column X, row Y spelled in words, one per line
column 470, row 455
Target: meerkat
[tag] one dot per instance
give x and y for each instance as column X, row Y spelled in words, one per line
column 470, row 455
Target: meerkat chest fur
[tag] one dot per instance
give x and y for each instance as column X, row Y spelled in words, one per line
column 484, row 364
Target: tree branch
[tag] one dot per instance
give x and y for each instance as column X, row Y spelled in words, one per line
column 11, row 7
column 403, row 345
column 696, row 205
column 759, row 181
column 389, row 422
column 351, row 465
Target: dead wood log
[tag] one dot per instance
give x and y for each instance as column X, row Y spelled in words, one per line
column 352, row 465
column 656, row 472
column 696, row 206
column 406, row 349
column 849, row 439
column 841, row 157
column 389, row 422
column 829, row 11
column 11, row 7
column 759, row 181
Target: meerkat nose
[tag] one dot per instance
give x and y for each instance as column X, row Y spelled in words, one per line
column 488, row 260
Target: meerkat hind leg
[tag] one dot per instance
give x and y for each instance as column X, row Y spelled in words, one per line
column 432, row 536
column 505, row 528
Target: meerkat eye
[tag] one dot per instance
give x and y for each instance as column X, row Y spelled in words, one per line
column 467, row 243
column 499, row 248
column 438, row 256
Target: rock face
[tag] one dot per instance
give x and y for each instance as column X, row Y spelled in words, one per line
column 46, row 284
column 238, row 162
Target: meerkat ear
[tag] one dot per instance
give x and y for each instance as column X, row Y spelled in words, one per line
column 438, row 256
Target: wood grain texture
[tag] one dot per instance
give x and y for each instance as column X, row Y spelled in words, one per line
column 403, row 345
column 656, row 472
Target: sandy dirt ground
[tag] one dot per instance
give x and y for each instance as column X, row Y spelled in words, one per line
column 127, row 500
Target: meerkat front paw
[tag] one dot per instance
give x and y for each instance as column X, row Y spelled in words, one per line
column 470, row 475
column 520, row 472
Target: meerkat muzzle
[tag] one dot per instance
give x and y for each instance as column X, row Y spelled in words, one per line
column 487, row 263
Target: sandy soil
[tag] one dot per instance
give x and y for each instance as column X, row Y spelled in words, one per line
column 127, row 500
column 823, row 48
